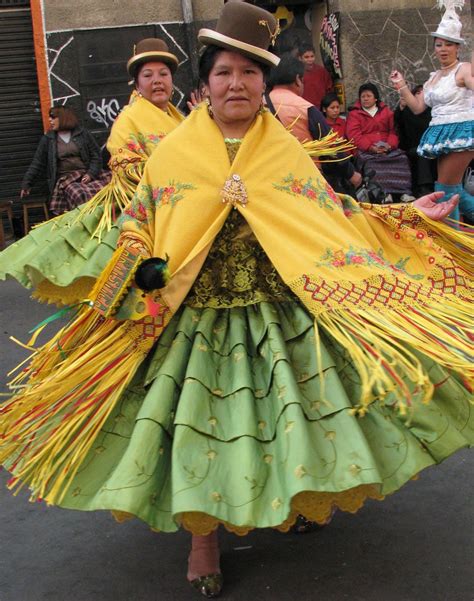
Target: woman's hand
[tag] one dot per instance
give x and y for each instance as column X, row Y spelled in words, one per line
column 86, row 179
column 356, row 179
column 195, row 99
column 397, row 80
column 377, row 149
column 436, row 211
column 24, row 192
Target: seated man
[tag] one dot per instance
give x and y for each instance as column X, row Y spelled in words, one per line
column 304, row 120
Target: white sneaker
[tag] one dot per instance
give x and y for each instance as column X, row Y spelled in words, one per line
column 407, row 198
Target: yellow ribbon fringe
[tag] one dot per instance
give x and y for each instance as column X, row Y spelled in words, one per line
column 72, row 384
column 325, row 148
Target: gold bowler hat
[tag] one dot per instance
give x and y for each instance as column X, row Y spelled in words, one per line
column 245, row 28
column 151, row 49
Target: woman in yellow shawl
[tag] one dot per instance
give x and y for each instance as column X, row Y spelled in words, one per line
column 306, row 354
column 62, row 257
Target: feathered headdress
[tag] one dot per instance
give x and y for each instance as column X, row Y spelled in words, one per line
column 450, row 25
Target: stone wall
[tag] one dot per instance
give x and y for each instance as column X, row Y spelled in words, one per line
column 376, row 39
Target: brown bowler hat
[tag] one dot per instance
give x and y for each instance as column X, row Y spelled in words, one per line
column 245, row 28
column 151, row 49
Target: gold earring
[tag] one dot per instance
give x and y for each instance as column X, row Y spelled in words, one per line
column 262, row 108
column 209, row 108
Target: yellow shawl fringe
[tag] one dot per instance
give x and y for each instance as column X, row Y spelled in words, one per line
column 378, row 280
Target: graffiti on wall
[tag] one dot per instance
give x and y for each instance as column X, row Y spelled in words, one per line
column 87, row 69
column 329, row 43
column 105, row 112
column 62, row 89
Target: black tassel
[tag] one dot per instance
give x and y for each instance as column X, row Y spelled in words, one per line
column 152, row 274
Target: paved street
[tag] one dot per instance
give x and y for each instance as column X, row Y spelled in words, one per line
column 415, row 546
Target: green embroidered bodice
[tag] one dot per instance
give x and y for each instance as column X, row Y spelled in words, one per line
column 237, row 272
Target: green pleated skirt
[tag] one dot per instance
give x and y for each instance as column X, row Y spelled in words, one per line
column 229, row 421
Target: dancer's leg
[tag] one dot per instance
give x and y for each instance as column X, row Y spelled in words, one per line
column 204, row 570
column 451, row 167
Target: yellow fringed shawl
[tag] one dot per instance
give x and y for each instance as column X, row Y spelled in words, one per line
column 376, row 278
column 382, row 281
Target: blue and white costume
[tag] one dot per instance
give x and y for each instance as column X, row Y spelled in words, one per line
column 452, row 117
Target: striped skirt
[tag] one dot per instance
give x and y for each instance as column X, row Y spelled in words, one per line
column 69, row 192
column 392, row 170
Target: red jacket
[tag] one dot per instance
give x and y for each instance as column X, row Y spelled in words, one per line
column 317, row 83
column 365, row 130
column 339, row 126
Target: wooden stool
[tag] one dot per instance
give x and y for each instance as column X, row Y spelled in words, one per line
column 6, row 207
column 33, row 204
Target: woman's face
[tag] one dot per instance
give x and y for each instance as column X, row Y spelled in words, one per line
column 53, row 122
column 367, row 99
column 446, row 52
column 235, row 89
column 155, row 83
column 333, row 110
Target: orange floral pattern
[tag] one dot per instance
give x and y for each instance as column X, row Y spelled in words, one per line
column 316, row 190
column 147, row 199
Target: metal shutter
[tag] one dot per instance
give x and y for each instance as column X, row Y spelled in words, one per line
column 20, row 117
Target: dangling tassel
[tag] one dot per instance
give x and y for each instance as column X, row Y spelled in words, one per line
column 459, row 244
column 327, row 147
column 113, row 198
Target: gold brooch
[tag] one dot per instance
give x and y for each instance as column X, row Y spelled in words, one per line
column 234, row 192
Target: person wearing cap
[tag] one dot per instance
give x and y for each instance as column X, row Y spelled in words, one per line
column 258, row 347
column 62, row 258
column 450, row 135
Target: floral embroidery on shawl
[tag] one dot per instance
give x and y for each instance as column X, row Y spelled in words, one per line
column 361, row 256
column 140, row 142
column 147, row 199
column 316, row 190
column 350, row 206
